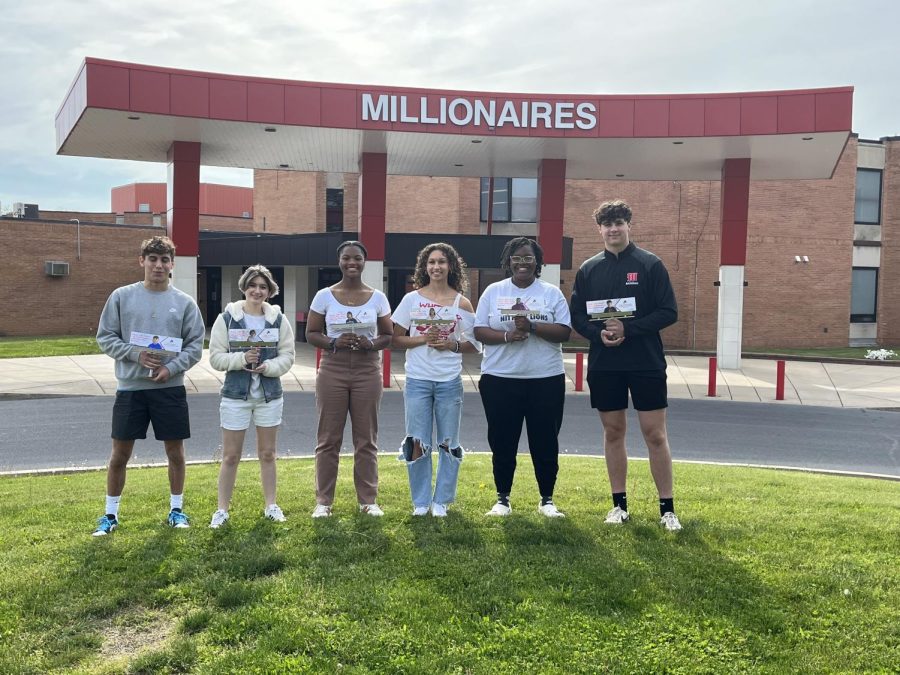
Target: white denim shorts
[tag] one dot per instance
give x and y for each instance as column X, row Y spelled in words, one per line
column 237, row 414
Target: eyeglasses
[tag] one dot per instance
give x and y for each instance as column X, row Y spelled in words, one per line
column 521, row 259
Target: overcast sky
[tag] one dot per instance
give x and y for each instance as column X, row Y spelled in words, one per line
column 576, row 47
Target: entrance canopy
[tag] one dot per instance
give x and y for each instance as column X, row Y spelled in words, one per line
column 128, row 111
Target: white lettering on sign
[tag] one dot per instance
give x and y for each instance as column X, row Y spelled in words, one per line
column 491, row 113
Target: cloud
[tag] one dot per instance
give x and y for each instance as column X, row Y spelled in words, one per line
column 582, row 46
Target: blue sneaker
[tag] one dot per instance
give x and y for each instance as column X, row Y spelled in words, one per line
column 178, row 518
column 105, row 525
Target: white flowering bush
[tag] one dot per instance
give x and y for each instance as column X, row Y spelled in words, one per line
column 880, row 354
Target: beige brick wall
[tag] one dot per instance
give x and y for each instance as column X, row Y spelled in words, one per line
column 889, row 275
column 72, row 304
column 288, row 201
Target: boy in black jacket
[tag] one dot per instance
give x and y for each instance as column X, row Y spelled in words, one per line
column 627, row 354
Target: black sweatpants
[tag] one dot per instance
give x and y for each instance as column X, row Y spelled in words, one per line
column 539, row 403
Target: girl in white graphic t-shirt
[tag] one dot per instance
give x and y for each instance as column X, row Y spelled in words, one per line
column 434, row 323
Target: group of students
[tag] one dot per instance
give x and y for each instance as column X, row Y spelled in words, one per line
column 519, row 326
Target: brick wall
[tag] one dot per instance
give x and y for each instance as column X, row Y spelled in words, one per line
column 288, row 201
column 889, row 275
column 72, row 304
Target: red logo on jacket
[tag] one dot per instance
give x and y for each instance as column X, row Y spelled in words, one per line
column 631, row 277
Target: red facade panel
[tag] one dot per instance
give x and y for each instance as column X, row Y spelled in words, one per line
column 616, row 118
column 225, row 200
column 651, row 118
column 149, row 91
column 834, row 111
column 265, row 102
column 107, row 87
column 796, row 114
column 189, row 96
column 722, row 116
column 686, row 117
column 759, row 115
column 302, row 106
column 339, row 108
column 228, row 100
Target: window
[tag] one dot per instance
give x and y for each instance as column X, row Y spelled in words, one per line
column 143, row 208
column 515, row 200
column 334, row 210
column 868, row 197
column 863, row 294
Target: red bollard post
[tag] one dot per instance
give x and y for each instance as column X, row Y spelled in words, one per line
column 386, row 362
column 779, row 381
column 318, row 357
column 712, row 376
column 579, row 371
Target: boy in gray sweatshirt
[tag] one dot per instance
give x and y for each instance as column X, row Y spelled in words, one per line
column 150, row 388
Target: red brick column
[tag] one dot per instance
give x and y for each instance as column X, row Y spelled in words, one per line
column 735, row 209
column 372, row 201
column 551, row 208
column 183, row 197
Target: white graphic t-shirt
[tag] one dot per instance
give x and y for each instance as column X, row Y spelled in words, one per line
column 535, row 357
column 340, row 318
column 417, row 314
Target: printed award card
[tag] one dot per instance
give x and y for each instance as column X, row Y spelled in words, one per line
column 517, row 306
column 162, row 345
column 361, row 321
column 246, row 338
column 613, row 308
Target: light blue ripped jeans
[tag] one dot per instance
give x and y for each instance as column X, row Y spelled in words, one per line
column 432, row 406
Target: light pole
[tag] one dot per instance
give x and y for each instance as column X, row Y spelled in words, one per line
column 77, row 237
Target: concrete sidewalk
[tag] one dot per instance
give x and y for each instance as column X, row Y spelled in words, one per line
column 807, row 383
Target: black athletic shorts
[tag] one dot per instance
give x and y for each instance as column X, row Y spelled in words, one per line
column 609, row 389
column 167, row 408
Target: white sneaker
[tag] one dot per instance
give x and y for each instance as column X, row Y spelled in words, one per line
column 420, row 511
column 219, row 518
column 670, row 521
column 321, row 511
column 550, row 511
column 499, row 510
column 371, row 510
column 439, row 510
column 274, row 512
column 617, row 516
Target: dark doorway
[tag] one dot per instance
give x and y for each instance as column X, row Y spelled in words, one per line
column 328, row 276
column 400, row 283
column 209, row 293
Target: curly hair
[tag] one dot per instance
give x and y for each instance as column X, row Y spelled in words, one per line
column 613, row 210
column 158, row 245
column 458, row 279
column 519, row 242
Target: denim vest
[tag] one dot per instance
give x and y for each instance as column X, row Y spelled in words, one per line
column 237, row 382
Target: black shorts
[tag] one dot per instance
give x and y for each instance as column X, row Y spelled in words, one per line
column 167, row 408
column 609, row 389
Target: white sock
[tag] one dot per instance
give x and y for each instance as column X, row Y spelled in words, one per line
column 176, row 501
column 112, row 505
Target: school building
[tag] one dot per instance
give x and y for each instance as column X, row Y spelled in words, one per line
column 778, row 225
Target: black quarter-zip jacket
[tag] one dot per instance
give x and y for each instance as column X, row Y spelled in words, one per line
column 606, row 276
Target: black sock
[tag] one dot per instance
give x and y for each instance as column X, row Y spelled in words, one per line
column 546, row 500
column 503, row 498
column 177, row 509
column 666, row 505
column 621, row 500
column 111, row 516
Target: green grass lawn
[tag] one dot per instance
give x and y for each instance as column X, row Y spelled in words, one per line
column 53, row 345
column 774, row 572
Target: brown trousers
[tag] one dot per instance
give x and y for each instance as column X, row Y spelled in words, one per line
column 348, row 382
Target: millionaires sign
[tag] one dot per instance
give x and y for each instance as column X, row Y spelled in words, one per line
column 490, row 113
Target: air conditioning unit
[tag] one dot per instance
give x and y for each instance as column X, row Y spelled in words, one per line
column 56, row 268
column 18, row 209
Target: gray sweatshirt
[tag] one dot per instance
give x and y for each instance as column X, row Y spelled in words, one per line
column 134, row 308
